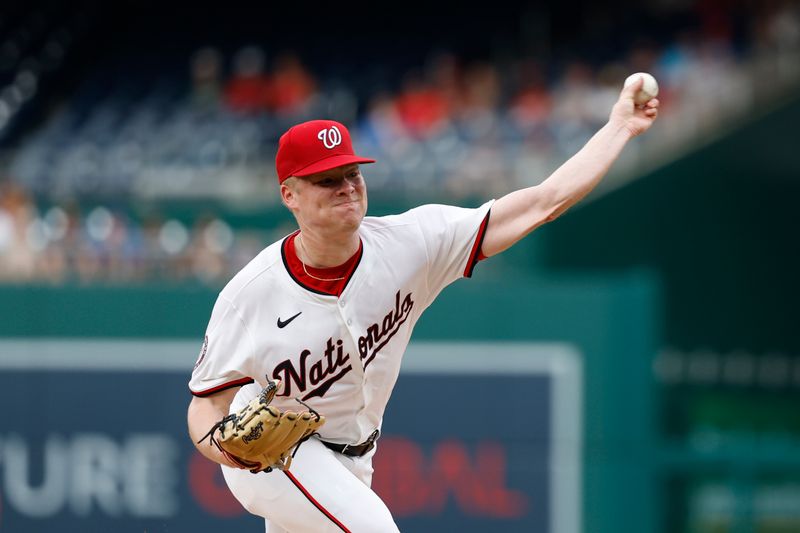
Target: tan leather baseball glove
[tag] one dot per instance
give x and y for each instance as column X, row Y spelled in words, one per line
column 260, row 437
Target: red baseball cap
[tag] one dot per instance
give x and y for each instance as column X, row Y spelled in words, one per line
column 315, row 146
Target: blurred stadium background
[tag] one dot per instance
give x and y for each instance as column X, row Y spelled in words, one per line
column 136, row 176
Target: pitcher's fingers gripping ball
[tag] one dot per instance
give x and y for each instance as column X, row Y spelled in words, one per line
column 260, row 437
column 648, row 89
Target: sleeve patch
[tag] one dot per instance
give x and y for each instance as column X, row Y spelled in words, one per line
column 203, row 351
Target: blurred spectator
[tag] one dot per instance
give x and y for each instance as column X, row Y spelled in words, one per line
column 776, row 33
column 60, row 244
column 206, row 77
column 382, row 124
column 53, row 260
column 451, row 124
column 571, row 94
column 605, row 91
column 18, row 239
column 676, row 63
column 478, row 116
column 443, row 71
column 212, row 241
column 531, row 105
column 249, row 90
column 422, row 109
column 293, row 85
column 784, row 31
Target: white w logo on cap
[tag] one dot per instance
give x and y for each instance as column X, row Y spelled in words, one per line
column 331, row 138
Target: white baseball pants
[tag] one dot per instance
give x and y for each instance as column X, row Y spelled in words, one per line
column 324, row 491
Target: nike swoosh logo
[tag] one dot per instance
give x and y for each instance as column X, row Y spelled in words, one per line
column 284, row 323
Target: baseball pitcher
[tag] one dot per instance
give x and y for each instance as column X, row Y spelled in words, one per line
column 304, row 344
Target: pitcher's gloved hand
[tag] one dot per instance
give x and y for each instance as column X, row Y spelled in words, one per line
column 260, row 437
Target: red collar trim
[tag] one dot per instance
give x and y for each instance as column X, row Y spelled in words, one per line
column 334, row 288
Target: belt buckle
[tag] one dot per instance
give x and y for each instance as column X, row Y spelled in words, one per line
column 344, row 450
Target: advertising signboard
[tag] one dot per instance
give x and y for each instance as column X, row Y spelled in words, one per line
column 476, row 436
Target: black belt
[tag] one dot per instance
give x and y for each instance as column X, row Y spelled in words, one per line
column 354, row 450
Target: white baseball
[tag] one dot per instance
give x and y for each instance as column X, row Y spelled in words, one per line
column 649, row 88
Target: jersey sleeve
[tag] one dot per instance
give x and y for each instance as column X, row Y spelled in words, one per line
column 223, row 362
column 453, row 237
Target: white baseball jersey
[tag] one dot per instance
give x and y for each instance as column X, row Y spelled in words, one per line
column 341, row 355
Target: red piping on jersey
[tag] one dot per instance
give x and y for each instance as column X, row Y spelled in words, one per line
column 218, row 388
column 476, row 254
column 315, row 502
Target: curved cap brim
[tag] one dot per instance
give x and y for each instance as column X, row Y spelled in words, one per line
column 329, row 163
